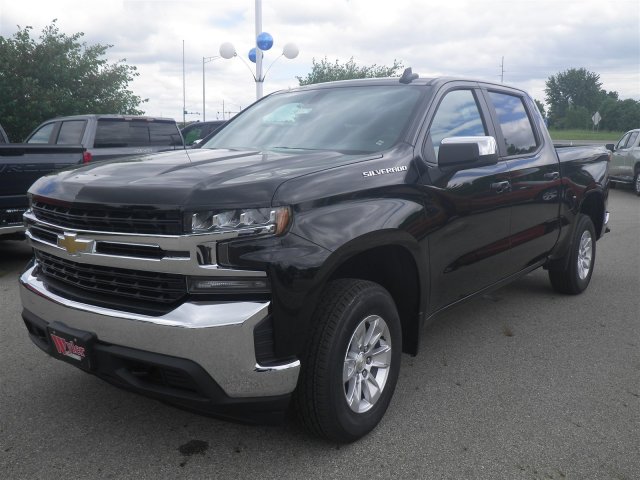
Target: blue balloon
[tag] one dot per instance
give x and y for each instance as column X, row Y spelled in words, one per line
column 252, row 55
column 264, row 41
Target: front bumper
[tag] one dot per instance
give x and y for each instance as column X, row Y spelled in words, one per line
column 216, row 337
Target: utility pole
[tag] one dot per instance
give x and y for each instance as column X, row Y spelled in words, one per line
column 502, row 71
column 184, row 92
column 259, row 78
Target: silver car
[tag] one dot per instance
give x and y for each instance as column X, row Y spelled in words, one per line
column 625, row 161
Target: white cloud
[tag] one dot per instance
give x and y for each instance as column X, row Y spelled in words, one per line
column 456, row 37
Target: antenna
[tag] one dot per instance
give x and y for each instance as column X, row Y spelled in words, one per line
column 502, row 71
column 408, row 76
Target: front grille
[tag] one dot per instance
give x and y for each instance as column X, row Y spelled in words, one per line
column 11, row 216
column 106, row 219
column 103, row 283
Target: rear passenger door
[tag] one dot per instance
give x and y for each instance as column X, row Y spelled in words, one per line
column 535, row 176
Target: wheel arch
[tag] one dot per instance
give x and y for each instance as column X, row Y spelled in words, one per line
column 394, row 262
column 593, row 205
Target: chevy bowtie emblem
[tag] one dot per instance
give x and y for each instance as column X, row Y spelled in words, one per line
column 74, row 245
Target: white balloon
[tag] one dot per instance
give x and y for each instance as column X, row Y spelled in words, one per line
column 227, row 50
column 290, row 50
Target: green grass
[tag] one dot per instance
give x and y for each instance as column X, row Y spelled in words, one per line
column 585, row 135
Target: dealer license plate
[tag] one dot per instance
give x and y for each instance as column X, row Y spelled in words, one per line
column 71, row 345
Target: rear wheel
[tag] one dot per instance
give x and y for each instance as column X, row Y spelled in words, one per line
column 636, row 182
column 575, row 276
column 351, row 366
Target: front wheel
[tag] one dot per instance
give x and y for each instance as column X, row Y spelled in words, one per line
column 351, row 365
column 575, row 276
column 636, row 183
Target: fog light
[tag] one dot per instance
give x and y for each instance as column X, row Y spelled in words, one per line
column 228, row 285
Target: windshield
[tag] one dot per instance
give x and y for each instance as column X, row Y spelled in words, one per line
column 347, row 119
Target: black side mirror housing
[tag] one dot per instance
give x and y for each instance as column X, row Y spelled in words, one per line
column 610, row 146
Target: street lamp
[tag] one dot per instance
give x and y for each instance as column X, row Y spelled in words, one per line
column 264, row 41
column 205, row 60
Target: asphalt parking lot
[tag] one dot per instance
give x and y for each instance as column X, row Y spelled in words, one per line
column 520, row 384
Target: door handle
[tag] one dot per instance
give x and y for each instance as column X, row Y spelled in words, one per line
column 501, row 187
column 552, row 175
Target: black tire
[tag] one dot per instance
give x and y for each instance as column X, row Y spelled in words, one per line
column 321, row 397
column 612, row 185
column 636, row 183
column 575, row 276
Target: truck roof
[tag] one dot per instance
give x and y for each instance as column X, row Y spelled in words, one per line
column 426, row 81
column 114, row 116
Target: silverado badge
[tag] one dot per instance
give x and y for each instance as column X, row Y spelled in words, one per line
column 384, row 171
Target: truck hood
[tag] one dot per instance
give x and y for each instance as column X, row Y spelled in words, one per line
column 200, row 177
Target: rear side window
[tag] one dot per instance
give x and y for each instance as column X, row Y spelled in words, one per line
column 71, row 132
column 135, row 133
column 515, row 124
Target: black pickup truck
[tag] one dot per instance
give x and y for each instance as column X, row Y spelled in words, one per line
column 21, row 165
column 68, row 141
column 292, row 258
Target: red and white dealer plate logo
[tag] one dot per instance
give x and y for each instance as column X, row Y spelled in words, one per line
column 68, row 348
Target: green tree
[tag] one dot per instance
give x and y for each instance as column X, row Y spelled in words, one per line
column 59, row 75
column 572, row 88
column 577, row 117
column 540, row 106
column 325, row 71
column 626, row 115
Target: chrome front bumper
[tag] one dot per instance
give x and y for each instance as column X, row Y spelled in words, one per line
column 10, row 229
column 216, row 335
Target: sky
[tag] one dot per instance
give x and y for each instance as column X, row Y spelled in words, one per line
column 521, row 42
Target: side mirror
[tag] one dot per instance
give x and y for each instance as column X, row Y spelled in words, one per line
column 610, row 146
column 467, row 151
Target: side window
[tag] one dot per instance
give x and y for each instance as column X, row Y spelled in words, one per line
column 191, row 135
column 71, row 132
column 632, row 139
column 43, row 134
column 163, row 134
column 515, row 124
column 458, row 115
column 111, row 134
column 623, row 141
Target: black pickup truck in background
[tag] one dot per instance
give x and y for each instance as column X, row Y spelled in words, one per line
column 67, row 141
column 20, row 165
column 292, row 257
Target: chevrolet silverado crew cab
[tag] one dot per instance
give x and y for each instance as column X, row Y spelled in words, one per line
column 293, row 257
column 68, row 141
column 21, row 165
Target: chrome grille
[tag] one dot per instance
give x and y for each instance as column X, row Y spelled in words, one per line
column 11, row 216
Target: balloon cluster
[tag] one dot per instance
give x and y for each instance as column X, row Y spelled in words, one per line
column 264, row 42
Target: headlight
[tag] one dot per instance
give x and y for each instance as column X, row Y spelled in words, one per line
column 250, row 221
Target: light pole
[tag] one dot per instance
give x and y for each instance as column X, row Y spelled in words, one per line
column 264, row 41
column 205, row 60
